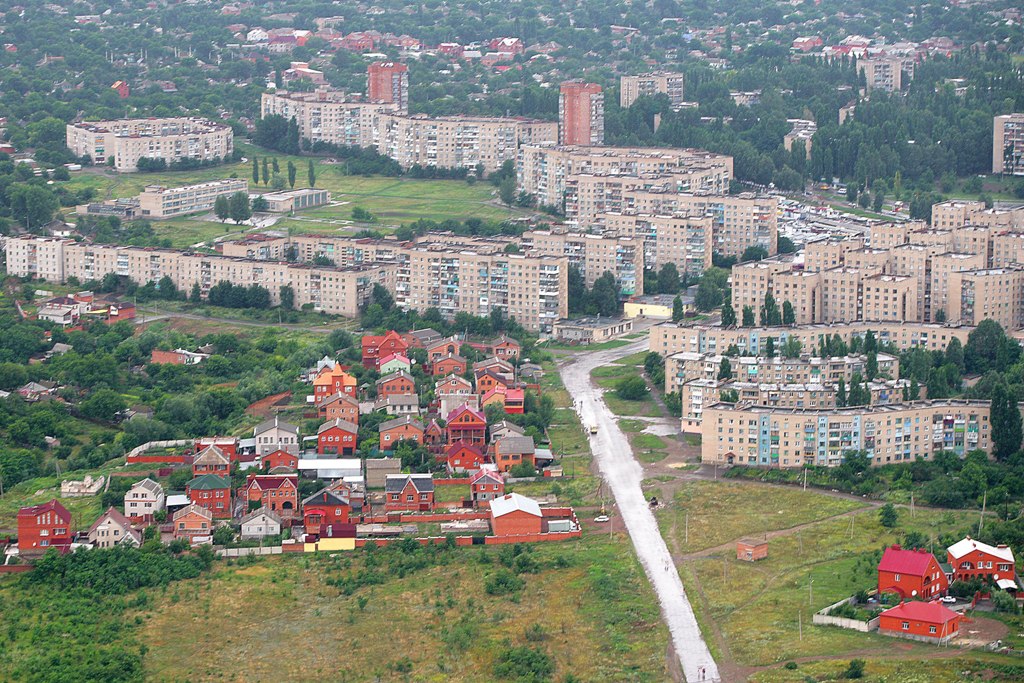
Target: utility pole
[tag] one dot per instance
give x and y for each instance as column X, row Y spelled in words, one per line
column 800, row 624
column 981, row 519
column 810, row 594
column 686, row 526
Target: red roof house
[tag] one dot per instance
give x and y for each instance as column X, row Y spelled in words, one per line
column 929, row 621
column 228, row 445
column 463, row 457
column 488, row 380
column 278, row 493
column 485, row 485
column 376, row 347
column 466, row 424
column 45, row 526
column 331, row 381
column 325, row 508
column 911, row 574
column 279, row 461
column 336, row 437
column 396, row 383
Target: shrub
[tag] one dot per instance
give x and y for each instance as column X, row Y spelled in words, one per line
column 525, row 664
column 503, row 582
column 855, row 670
column 631, row 389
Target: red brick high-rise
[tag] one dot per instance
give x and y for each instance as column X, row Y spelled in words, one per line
column 580, row 114
column 388, row 82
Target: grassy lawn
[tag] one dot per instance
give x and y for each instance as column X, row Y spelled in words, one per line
column 451, row 494
column 906, row 671
column 598, row 619
column 601, row 346
column 608, row 378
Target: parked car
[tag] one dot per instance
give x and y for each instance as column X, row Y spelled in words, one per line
column 948, row 599
column 600, row 519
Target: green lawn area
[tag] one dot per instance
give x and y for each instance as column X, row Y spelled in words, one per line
column 598, row 619
column 451, row 494
column 945, row 670
column 602, row 346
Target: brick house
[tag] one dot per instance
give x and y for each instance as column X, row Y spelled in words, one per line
column 339, row 407
column 497, row 365
column 920, row 621
column 112, row 529
column 277, row 493
column 144, row 499
column 336, row 437
column 276, row 435
column 408, row 492
column 515, row 515
column 396, row 383
column 280, row 461
column 211, row 492
column 393, row 362
column 514, row 450
column 505, row 347
column 211, row 460
column 441, row 348
column 495, row 396
column 489, row 380
column 485, row 485
column 44, row 526
column 466, row 424
column 325, row 507
column 515, row 401
column 449, row 365
column 191, row 522
column 461, row 456
column 333, row 380
column 228, row 445
column 434, row 435
column 376, row 347
column 911, row 574
column 971, row 559
column 405, row 428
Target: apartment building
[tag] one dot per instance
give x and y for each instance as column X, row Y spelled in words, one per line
column 889, row 298
column 842, row 296
column 753, row 279
column 1007, row 249
column 830, row 252
column 671, row 338
column 594, row 255
column 803, row 289
column 327, row 115
column 388, row 82
column 340, row 291
column 686, row 241
column 648, row 85
column 458, row 141
column 171, row 139
column 996, row 293
column 942, row 268
column 801, row 131
column 159, row 202
column 1008, row 144
column 544, row 170
column 882, row 73
column 954, row 214
column 580, row 114
column 868, row 260
column 807, row 369
column 794, row 437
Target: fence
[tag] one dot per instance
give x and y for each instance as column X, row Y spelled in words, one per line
column 242, row 552
column 136, row 454
column 822, row 618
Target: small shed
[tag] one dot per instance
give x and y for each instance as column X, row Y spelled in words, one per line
column 751, row 549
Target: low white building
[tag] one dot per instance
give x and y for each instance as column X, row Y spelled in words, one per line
column 260, row 524
column 144, row 498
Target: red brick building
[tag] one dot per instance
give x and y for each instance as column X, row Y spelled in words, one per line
column 920, row 621
column 277, row 493
column 396, row 383
column 228, row 445
column 192, row 521
column 463, row 457
column 434, row 435
column 449, row 365
column 488, row 381
column 911, row 574
column 336, row 437
column 388, row 82
column 405, row 428
column 211, row 460
column 580, row 114
column 44, row 526
column 466, row 424
column 485, row 485
column 973, row 559
column 339, row 407
column 211, row 492
column 279, row 461
column 332, row 381
column 325, row 507
column 510, row 451
column 441, row 348
column 376, row 347
column 408, row 492
column 516, row 515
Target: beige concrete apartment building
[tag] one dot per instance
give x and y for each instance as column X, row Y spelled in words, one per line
column 158, row 202
column 1007, row 249
column 593, row 255
column 829, row 252
column 889, row 298
column 942, row 268
column 753, row 279
column 647, row 85
column 340, row 291
column 686, row 241
column 842, row 297
column 744, row 434
column 1008, row 144
column 996, row 293
column 128, row 140
column 670, row 338
column 882, row 73
column 327, row 115
column 956, row 213
column 869, row 260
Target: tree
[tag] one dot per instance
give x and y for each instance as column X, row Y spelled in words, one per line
column 888, row 516
column 292, row 142
column 955, row 354
column 604, row 295
column 677, row 309
column 770, row 314
column 792, row 347
column 266, row 172
column 728, row 314
column 871, row 366
column 292, row 171
column 855, row 670
column 32, row 205
column 507, row 191
column 287, row 297
column 841, row 393
column 274, row 165
column 754, row 252
column 769, row 347
column 311, row 174
column 1006, row 423
column 708, row 297
column 725, row 369
column 222, row 208
column 260, row 204
column 239, row 207
column 788, row 315
column 748, row 316
column 877, row 201
column 196, row 295
column 631, row 388
column 668, row 279
column 103, row 404
column 255, row 170
column 576, row 291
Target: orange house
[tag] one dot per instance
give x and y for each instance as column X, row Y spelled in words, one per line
column 466, row 424
column 228, row 445
column 515, row 401
column 405, row 428
column 488, row 380
column 449, row 365
column 973, row 559
column 339, row 407
column 505, row 347
column 44, row 526
column 442, row 348
column 281, row 460
column 396, row 383
column 332, row 381
column 911, row 574
column 510, row 451
column 336, row 437
column 930, row 621
column 211, row 460
column 434, row 434
column 516, row 515
column 325, row 507
column 463, row 457
column 192, row 521
column 408, row 492
column 277, row 493
column 376, row 347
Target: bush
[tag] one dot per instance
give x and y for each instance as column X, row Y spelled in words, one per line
column 855, row 670
column 503, row 582
column 1004, row 602
column 631, row 389
column 791, row 666
column 526, row 664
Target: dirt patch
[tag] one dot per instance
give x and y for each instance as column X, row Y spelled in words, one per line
column 264, row 407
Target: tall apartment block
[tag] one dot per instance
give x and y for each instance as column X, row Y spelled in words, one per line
column 882, row 73
column 580, row 114
column 327, row 115
column 686, row 241
column 388, row 82
column 648, row 85
column 158, row 202
column 1008, row 144
column 957, row 213
column 593, row 256
column 171, row 139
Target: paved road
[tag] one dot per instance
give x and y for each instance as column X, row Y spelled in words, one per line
column 623, row 474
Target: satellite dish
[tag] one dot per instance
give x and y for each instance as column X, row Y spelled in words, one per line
column 913, row 593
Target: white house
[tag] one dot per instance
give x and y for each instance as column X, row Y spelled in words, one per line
column 145, row 497
column 113, row 529
column 275, row 435
column 260, row 524
column 257, row 35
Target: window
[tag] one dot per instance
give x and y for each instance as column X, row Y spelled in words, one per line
column 931, row 629
column 906, row 626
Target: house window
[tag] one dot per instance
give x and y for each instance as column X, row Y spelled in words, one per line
column 897, row 578
column 931, row 629
column 906, row 625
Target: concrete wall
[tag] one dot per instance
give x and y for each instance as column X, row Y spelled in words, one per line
column 821, row 618
column 242, row 552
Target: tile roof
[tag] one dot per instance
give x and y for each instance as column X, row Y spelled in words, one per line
column 208, row 482
column 211, row 454
column 515, row 444
column 270, row 424
column 115, row 516
column 326, row 497
column 395, row 483
column 193, row 508
column 929, row 612
column 400, row 421
column 51, row 506
column 340, row 424
column 910, row 562
column 268, row 482
column 395, row 375
column 261, row 511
